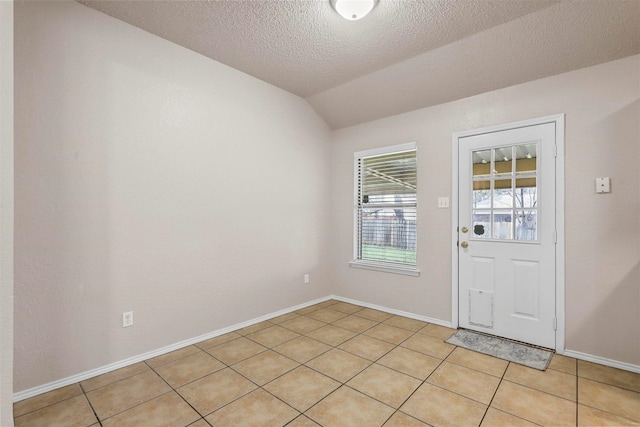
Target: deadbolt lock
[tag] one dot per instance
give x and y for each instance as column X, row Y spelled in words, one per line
column 464, row 229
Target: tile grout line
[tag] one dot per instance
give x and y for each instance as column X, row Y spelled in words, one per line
column 414, row 392
column 51, row 404
column 134, row 406
column 609, row 384
column 611, row 413
column 276, row 397
column 84, row 393
column 540, row 391
column 175, row 390
column 496, row 392
column 142, row 403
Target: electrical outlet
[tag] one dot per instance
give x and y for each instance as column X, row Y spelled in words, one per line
column 127, row 319
column 603, row 185
column 306, row 278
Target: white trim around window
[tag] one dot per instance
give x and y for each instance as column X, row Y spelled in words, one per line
column 389, row 266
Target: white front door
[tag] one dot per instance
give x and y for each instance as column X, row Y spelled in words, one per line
column 506, row 233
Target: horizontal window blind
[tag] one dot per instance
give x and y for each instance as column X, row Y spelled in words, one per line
column 386, row 208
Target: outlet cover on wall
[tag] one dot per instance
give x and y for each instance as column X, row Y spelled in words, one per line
column 127, row 319
column 306, row 278
column 603, row 185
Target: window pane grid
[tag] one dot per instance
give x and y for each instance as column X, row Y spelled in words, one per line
column 505, row 193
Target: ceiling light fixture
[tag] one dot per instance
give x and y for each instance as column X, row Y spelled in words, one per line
column 353, row 9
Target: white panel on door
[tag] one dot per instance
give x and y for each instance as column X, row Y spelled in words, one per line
column 483, row 273
column 526, row 285
column 481, row 308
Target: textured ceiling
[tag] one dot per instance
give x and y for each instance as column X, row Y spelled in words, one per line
column 406, row 54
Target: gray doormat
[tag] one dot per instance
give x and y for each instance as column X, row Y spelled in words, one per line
column 532, row 357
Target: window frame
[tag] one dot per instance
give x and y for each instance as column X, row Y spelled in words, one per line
column 389, row 267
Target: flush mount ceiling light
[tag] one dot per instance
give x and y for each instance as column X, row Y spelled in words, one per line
column 353, row 9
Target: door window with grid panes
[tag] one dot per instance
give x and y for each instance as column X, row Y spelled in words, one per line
column 505, row 193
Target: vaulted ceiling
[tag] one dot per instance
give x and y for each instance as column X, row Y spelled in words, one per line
column 406, row 54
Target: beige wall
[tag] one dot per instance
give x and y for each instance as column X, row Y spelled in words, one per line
column 6, row 213
column 602, row 107
column 150, row 178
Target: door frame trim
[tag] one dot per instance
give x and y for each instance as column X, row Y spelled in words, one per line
column 558, row 120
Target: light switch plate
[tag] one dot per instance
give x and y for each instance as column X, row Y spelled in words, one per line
column 603, row 185
column 443, row 202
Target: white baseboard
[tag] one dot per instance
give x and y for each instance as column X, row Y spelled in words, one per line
column 25, row 394
column 394, row 311
column 603, row 361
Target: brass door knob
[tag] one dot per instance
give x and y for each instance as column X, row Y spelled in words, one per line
column 464, row 245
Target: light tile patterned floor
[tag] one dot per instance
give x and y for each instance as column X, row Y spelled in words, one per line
column 338, row 364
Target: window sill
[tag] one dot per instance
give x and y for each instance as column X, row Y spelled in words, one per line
column 407, row 271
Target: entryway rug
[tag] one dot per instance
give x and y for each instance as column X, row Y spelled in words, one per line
column 532, row 357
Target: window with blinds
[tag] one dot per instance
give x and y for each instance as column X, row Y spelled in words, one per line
column 386, row 187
